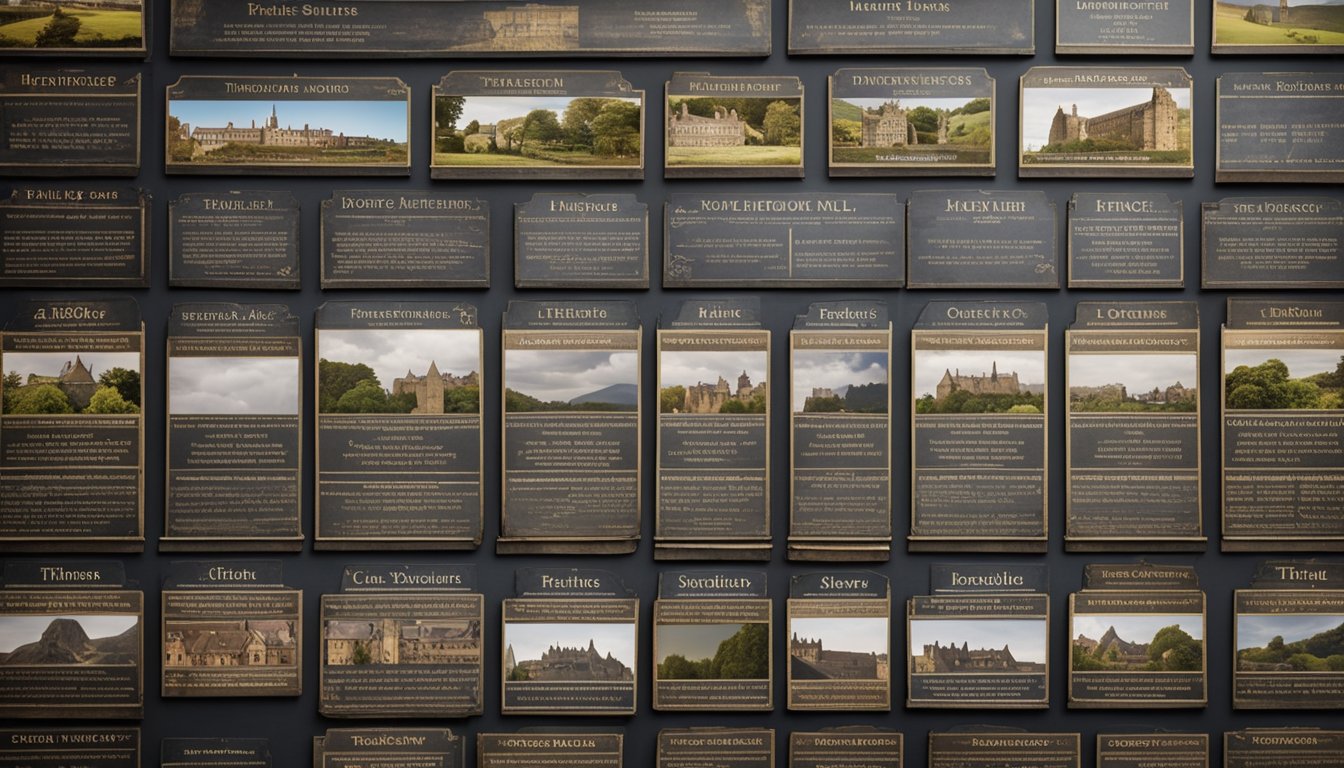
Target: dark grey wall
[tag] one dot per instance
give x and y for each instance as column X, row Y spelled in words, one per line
column 290, row 723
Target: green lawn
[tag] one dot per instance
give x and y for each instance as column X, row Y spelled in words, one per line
column 970, row 122
column 112, row 25
column 510, row 160
column 1232, row 28
column 730, row 156
column 251, row 154
column 1119, row 157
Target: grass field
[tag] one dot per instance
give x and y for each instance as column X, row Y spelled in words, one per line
column 729, row 156
column 1119, row 157
column 509, row 160
column 249, row 154
column 1232, row 28
column 112, row 25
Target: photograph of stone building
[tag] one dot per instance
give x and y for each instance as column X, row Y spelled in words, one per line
column 70, row 382
column 1154, row 643
column 242, row 643
column 704, row 131
column 316, row 131
column 351, row 642
column 979, row 381
column 1278, row 23
column 234, row 385
column 557, row 651
column 1133, row 383
column 826, row 381
column 847, row 648
column 65, row 639
column 695, row 382
column 911, row 130
column 1151, row 124
column 949, row 646
column 1146, row 126
column 399, row 371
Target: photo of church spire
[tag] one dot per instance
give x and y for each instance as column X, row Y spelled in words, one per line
column 70, row 382
column 975, row 381
column 399, row 371
column 229, row 132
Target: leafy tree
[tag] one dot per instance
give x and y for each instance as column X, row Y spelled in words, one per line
column 924, row 119
column 671, row 399
column 518, row 673
column 361, row 655
column 462, row 400
column 1084, row 661
column 60, row 32
column 616, row 129
column 1276, row 643
column 539, row 127
column 832, row 404
column 578, row 120
column 109, row 400
column 42, row 398
column 10, row 389
column 474, row 127
column 447, row 110
column 1335, row 662
column 847, row 132
column 1023, row 408
column 782, row 125
column 678, row 667
column 1174, row 650
column 337, row 378
column 179, row 147
column 974, row 106
column 365, row 397
column 125, row 381
column 744, row 656
column 1268, row 386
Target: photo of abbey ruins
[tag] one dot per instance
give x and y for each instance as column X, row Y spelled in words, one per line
column 735, row 651
column 1138, row 642
column 713, row 382
column 827, row 381
column 977, row 646
column 911, row 131
column 979, row 381
column 101, row 26
column 399, row 370
column 570, row 380
column 58, row 640
column 569, row 652
column 1283, row 379
column 1278, row 22
column 1290, row 642
column 70, row 383
column 290, row 132
column 711, row 131
column 537, row 131
column 1151, row 383
column 363, row 642
column 1133, row 126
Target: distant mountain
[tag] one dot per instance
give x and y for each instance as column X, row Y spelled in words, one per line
column 616, row 394
column 65, row 642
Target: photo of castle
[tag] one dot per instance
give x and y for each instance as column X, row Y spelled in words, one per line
column 1133, row 383
column 733, row 131
column 1283, row 379
column 839, row 382
column 975, row 381
column 950, row 646
column 401, row 371
column 101, row 383
column 1290, row 642
column 1274, row 23
column 1148, row 125
column 545, row 651
column 64, row 639
column 911, row 131
column 1153, row 643
column 538, row 131
column 848, row 648
column 233, row 385
column 202, row 131
column 570, row 380
column 351, row 642
column 242, row 643
column 712, row 392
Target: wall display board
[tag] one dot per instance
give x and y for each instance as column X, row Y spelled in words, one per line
column 859, row 746
column 241, row 239
column 438, row 747
column 1301, row 603
column 92, row 236
column 1165, row 748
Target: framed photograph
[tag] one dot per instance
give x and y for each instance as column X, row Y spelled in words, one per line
column 1277, row 28
column 839, row 634
column 733, row 126
column 1287, row 627
column 31, row 28
column 75, row 237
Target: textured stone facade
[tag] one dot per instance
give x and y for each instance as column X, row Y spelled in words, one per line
column 1150, row 125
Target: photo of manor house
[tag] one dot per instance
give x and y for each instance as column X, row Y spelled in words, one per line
column 538, row 131
column 350, row 642
column 428, row 390
column 733, row 131
column 852, row 648
column 979, row 381
column 743, row 392
column 1094, row 125
column 942, row 646
column 70, row 383
column 269, row 133
column 1148, row 125
column 242, row 643
column 569, row 652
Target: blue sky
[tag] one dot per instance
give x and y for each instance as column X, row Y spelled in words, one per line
column 1137, row 628
column 379, row 119
column 1255, row 631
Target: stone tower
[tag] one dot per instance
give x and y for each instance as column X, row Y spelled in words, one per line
column 1283, row 11
column 274, row 120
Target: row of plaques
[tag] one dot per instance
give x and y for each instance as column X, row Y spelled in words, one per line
column 965, row 239
column 408, row 641
column 546, row 124
column 400, row 427
column 401, row 28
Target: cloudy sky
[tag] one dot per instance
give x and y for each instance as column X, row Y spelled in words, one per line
column 492, row 109
column 1257, row 631
column 549, row 374
column 911, row 102
column 931, row 363
column 1026, row 638
column 1139, row 373
column 50, row 363
column 1039, row 106
column 813, row 368
column 1136, row 629
column 19, row 630
column 241, row 385
column 858, row 634
column 688, row 368
column 530, row 640
column 1300, row 362
column 392, row 352
column 379, row 119
column 694, row 641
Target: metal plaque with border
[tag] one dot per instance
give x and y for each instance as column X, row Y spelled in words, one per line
column 62, row 747
column 342, row 747
column 215, row 753
column 1279, row 127
column 561, row 747
column 1296, row 746
column 379, row 238
column 716, row 126
column 839, row 633
column 716, row 747
column 1138, row 28
column 1168, row 749
column 912, row 27
column 1266, row 243
column 69, row 122
column 75, row 237
column 977, row 238
column 576, row 240
column 1005, row 747
column 847, row 746
column 1285, row 628
column 1126, row 240
column 235, row 239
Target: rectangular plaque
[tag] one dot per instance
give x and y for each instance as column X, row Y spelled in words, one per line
column 1288, row 626
column 713, row 427
column 970, row 747
column 69, row 122
column 712, row 642
column 572, row 434
column 980, row 639
column 1137, row 639
column 575, row 240
column 1275, row 29
column 537, row 124
column 1155, row 749
column 74, row 643
column 570, row 643
column 306, row 126
column 1133, row 428
column 557, row 747
column 968, row 238
column 230, row 628
column 739, row 126
column 912, row 27
column 1126, row 240
column 979, row 415
column 377, row 238
column 802, row 240
column 399, row 425
column 374, row 29
column 1272, row 242
column 716, row 748
column 235, row 239
column 72, row 437
column 215, row 753
column 63, row 747
column 839, row 630
column 1298, row 747
column 1126, row 27
column 853, row 746
column 402, row 641
column 388, row 747
column 75, row 237
column 235, row 429
column 1283, row 426
column 1280, row 127
column 911, row 122
column 840, row 432
column 1106, row 122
